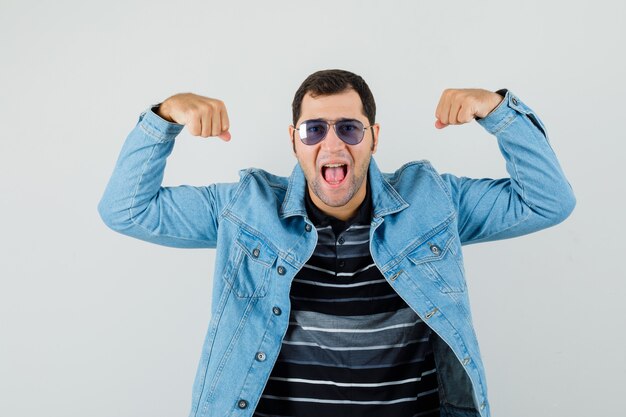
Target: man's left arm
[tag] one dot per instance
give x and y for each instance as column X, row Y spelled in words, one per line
column 535, row 196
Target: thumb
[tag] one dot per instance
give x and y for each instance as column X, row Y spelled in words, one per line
column 439, row 125
column 225, row 136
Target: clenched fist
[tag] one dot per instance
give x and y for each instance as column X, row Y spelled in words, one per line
column 203, row 116
column 458, row 106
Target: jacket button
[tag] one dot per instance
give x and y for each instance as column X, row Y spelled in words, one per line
column 260, row 356
column 466, row 361
column 435, row 249
column 242, row 404
column 432, row 313
column 341, row 240
column 276, row 310
column 514, row 100
column 256, row 252
column 395, row 276
column 308, row 227
column 482, row 406
column 281, row 270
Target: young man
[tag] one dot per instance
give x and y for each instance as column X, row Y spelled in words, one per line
column 339, row 290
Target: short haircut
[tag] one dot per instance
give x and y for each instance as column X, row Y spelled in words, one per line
column 334, row 81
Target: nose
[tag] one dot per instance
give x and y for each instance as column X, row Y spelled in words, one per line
column 331, row 142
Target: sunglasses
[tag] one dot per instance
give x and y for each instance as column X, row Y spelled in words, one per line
column 350, row 131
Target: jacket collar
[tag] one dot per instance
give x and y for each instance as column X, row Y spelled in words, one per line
column 385, row 199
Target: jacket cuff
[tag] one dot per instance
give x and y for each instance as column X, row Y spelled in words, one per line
column 157, row 127
column 504, row 112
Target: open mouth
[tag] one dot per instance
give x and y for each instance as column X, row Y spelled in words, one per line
column 334, row 174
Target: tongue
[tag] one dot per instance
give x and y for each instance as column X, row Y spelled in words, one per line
column 334, row 174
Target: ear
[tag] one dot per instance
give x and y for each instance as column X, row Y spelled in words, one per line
column 292, row 138
column 375, row 129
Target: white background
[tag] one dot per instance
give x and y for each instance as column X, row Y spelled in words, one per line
column 93, row 323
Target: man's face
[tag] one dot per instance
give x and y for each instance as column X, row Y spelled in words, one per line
column 336, row 173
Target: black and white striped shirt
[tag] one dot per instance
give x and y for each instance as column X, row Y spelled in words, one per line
column 353, row 346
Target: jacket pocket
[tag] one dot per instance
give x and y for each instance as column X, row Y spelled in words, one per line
column 249, row 266
column 440, row 259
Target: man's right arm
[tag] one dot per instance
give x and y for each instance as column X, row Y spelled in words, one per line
column 134, row 202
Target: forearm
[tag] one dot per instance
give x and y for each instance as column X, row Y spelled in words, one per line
column 533, row 167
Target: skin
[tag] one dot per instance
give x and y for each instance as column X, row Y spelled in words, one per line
column 206, row 117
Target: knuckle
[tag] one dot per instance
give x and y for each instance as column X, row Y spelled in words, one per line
column 193, row 112
column 215, row 104
column 207, row 108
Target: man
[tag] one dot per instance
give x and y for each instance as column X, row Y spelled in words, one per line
column 339, row 290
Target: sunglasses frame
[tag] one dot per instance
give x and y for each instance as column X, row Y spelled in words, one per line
column 330, row 123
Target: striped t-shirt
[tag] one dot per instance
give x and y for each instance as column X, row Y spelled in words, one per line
column 353, row 346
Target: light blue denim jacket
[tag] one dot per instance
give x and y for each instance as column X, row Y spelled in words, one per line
column 263, row 237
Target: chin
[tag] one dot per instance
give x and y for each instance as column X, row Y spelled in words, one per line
column 335, row 198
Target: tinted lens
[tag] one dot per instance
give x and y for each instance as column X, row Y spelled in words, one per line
column 349, row 131
column 312, row 131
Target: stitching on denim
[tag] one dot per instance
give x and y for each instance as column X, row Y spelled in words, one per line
column 290, row 188
column 220, row 308
column 440, row 182
column 269, row 178
column 457, row 336
column 517, row 175
column 229, row 350
column 242, row 183
column 244, row 226
column 402, row 204
column 431, row 171
column 381, row 246
column 504, row 124
column 266, row 336
column 231, row 271
column 143, row 171
column 430, row 258
column 263, row 241
column 153, row 133
column 409, row 164
column 301, row 241
column 398, row 258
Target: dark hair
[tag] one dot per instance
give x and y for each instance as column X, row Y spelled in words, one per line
column 333, row 81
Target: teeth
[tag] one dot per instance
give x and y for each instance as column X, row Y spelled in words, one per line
column 333, row 165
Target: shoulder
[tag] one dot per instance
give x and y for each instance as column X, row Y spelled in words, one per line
column 261, row 178
column 417, row 177
column 257, row 186
column 410, row 170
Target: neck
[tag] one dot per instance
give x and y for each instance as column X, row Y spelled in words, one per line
column 344, row 212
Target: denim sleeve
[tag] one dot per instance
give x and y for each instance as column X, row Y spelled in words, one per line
column 135, row 204
column 536, row 196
